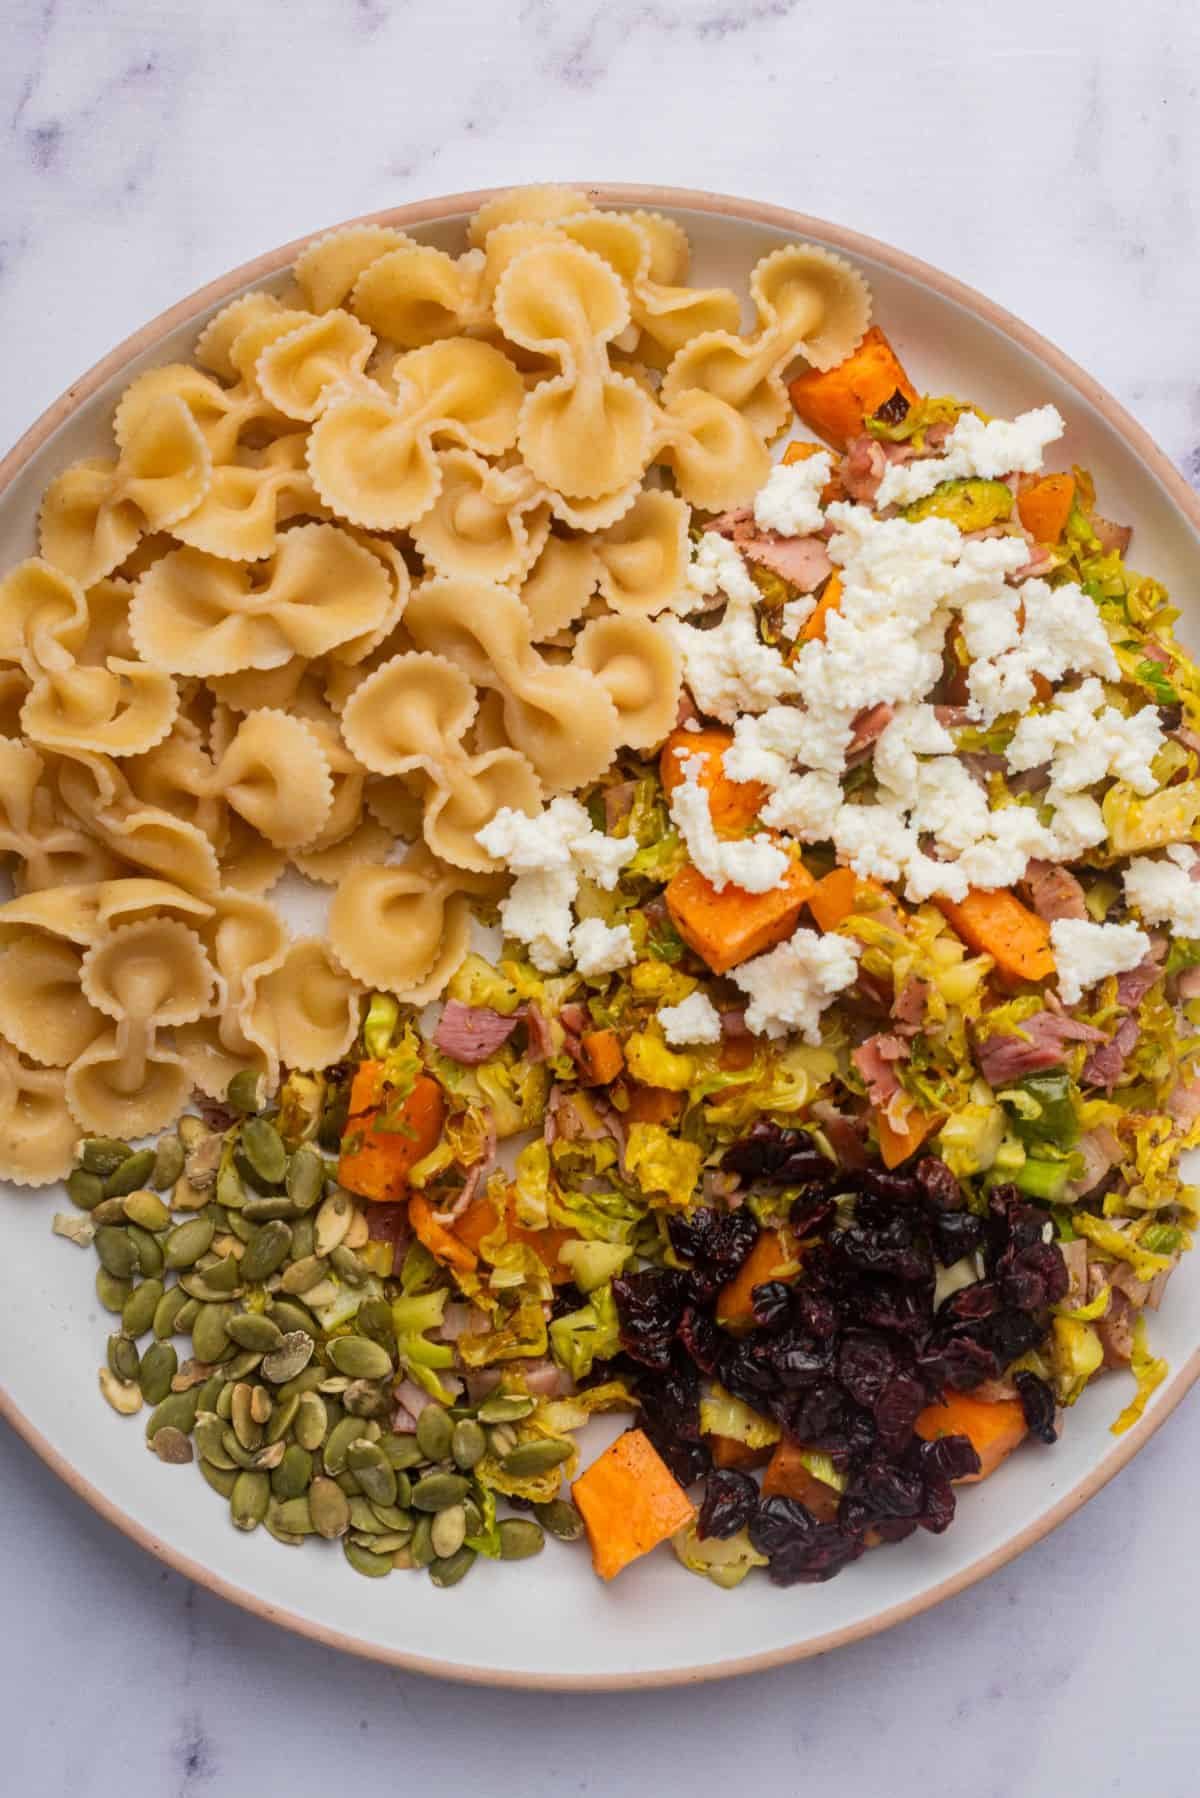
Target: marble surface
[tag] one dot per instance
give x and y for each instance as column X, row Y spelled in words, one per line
column 1046, row 154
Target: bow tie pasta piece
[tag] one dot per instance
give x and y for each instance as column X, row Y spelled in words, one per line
column 314, row 1005
column 585, row 433
column 37, row 1132
column 356, row 649
column 543, row 204
column 43, row 1013
column 809, row 302
column 347, row 780
column 50, row 851
column 94, row 513
column 83, row 914
column 296, row 372
column 214, row 347
column 101, row 799
column 222, row 415
column 487, row 523
column 560, row 718
column 249, row 863
column 368, row 843
column 107, row 623
column 718, row 457
column 560, row 584
column 327, row 269
column 240, row 515
column 246, row 940
column 414, row 295
column 124, row 709
column 126, row 1085
column 650, row 254
column 643, row 558
column 639, row 667
column 276, row 776
column 404, row 929
column 43, row 617
column 468, row 796
column 14, row 690
column 195, row 614
column 177, row 777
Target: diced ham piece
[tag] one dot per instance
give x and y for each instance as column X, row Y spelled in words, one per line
column 864, row 467
column 952, row 717
column 847, row 1135
column 1100, row 1152
column 1054, row 892
column 573, row 1018
column 875, row 1060
column 540, row 1044
column 1112, row 536
column 733, row 1024
column 1184, row 1102
column 867, row 729
column 470, row 1033
column 1105, row 1066
column 1187, row 984
column 1003, row 1059
column 908, row 1007
column 1133, row 986
column 803, row 562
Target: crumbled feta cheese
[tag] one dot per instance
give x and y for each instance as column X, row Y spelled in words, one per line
column 728, row 668
column 1086, row 953
column 1083, row 740
column 1063, row 633
column 1167, row 891
column 975, row 449
column 791, row 986
column 790, row 502
column 694, row 1020
column 796, row 614
column 1077, row 824
column 875, row 841
column 752, row 863
column 600, row 948
column 718, row 569
column 766, row 747
column 913, row 731
column 806, row 806
column 550, row 854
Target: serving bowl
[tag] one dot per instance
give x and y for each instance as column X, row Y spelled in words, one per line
column 549, row 1623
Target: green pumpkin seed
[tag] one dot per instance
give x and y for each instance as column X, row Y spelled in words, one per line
column 468, row 1444
column 268, row 1210
column 346, row 1263
column 289, row 1314
column 147, row 1209
column 157, row 1371
column 392, row 1517
column 210, row 1433
column 449, row 1531
column 209, row 1339
column 401, row 1451
column 420, row 1547
column 245, row 1428
column 374, row 1474
column 140, row 1307
column 389, row 1541
column 302, row 1238
column 506, row 1407
column 249, row 1500
column 122, row 1357
column 241, row 1365
column 282, row 1417
column 305, row 1177
column 166, row 1311
column 360, row 1358
column 302, row 1276
column 118, row 1255
column 307, row 1380
column 186, row 1197
column 363, row 1561
column 218, row 1280
column 172, row 1446
column 561, row 1519
column 502, row 1439
column 209, row 1393
column 474, row 1516
column 337, row 1445
column 330, row 1508
column 367, row 1398
column 263, row 1148
column 240, row 1226
column 435, row 1433
column 103, row 1155
column 437, row 1490
column 224, row 1404
column 333, row 1221
column 109, row 1211
column 257, row 1460
column 363, row 1519
column 311, row 1420
column 294, row 1472
column 520, row 1538
column 272, row 1527
column 453, row 1569
column 530, row 1458
column 266, row 1250
column 185, row 1320
column 253, row 1330
column 168, row 1163
column 179, row 1409
column 348, row 1482
column 244, row 1092
column 230, row 1191
column 85, row 1189
column 187, row 1242
column 289, row 1359
column 149, row 1251
column 221, row 1479
column 295, row 1514
column 111, row 1291
column 129, row 1174
column 122, row 1395
column 375, row 1320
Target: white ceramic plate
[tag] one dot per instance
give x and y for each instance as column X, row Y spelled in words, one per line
column 549, row 1623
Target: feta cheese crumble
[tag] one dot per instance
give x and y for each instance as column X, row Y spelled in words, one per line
column 1086, row 953
column 1167, row 891
column 694, row 1020
column 789, row 987
column 728, row 668
column 752, row 863
column 1084, row 740
column 600, row 948
column 550, row 854
column 975, row 449
column 790, row 502
column 1063, row 634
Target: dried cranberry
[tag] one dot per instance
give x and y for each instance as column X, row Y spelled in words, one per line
column 816, row 1414
column 798, row 1361
column 939, row 1185
column 865, row 1364
column 893, row 411
column 817, row 1558
column 971, row 1303
column 717, row 1241
column 1011, row 1334
column 730, row 1501
column 955, row 1234
column 938, row 1513
column 814, row 1312
column 701, row 1338
column 772, row 1302
column 958, row 1362
column 883, row 1183
column 773, row 1156
column 649, row 1306
column 780, row 1521
column 892, row 1250
column 886, row 1305
column 882, row 1489
column 1034, row 1277
column 948, row 1458
column 1038, row 1404
column 895, row 1529
column 897, row 1409
column 811, row 1211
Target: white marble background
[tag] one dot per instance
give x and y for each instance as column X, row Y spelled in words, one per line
column 1046, row 151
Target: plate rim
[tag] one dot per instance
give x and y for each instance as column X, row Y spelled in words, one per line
column 415, row 214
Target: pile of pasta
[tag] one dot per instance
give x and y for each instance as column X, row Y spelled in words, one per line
column 384, row 558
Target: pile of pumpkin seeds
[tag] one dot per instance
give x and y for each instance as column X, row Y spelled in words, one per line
column 233, row 1238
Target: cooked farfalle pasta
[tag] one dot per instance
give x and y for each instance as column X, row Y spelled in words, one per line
column 224, row 416
column 124, row 709
column 639, row 668
column 414, row 295
column 246, row 941
column 403, row 929
column 810, row 303
column 562, row 719
column 544, row 203
column 328, row 268
column 487, row 523
column 49, row 849
column 637, row 565
column 43, row 618
column 96, row 794
column 43, row 1012
column 368, row 842
column 213, row 348
column 83, row 914
column 297, row 371
column 249, row 498
column 559, row 585
column 410, row 717
column 718, row 458
column 372, row 455
column 276, row 776
column 37, row 1131
column 95, row 512
column 195, row 614
column 314, row 1005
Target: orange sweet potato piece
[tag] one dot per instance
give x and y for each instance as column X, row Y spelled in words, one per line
column 727, row 1451
column 897, row 1145
column 838, row 895
column 1045, row 506
column 601, row 1057
column 652, row 1104
column 630, row 1502
column 442, row 1244
column 813, row 628
column 731, row 926
column 734, row 804
column 997, row 924
column 769, row 1259
column 375, row 1162
column 789, row 1477
column 479, row 1220
column 995, row 1429
column 834, row 402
